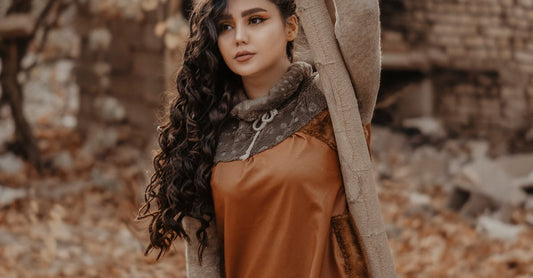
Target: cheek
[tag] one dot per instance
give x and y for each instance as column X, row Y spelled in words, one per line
column 222, row 47
column 274, row 38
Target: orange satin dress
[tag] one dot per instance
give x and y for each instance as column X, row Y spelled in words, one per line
column 273, row 210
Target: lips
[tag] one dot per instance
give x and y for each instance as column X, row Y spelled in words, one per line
column 243, row 56
column 243, row 53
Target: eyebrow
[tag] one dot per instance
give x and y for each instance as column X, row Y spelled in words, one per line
column 244, row 13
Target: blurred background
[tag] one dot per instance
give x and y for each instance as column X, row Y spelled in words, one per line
column 84, row 82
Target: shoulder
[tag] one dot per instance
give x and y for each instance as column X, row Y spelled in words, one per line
column 321, row 128
column 311, row 99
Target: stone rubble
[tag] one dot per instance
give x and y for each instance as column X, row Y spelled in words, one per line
column 427, row 126
column 10, row 163
column 10, row 195
column 498, row 229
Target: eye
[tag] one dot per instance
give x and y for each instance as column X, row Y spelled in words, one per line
column 256, row 20
column 224, row 27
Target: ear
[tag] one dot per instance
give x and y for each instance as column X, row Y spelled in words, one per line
column 291, row 27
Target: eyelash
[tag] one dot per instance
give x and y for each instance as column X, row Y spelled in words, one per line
column 261, row 19
column 257, row 17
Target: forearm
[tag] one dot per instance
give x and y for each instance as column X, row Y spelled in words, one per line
column 210, row 267
column 357, row 29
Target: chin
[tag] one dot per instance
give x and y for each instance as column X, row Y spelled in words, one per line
column 245, row 70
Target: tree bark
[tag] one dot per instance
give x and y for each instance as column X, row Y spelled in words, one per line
column 354, row 157
column 12, row 50
column 25, row 143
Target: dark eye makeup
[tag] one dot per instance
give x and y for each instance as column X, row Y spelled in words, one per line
column 252, row 20
column 256, row 19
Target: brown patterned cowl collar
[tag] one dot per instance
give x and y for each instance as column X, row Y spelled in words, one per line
column 256, row 125
column 285, row 88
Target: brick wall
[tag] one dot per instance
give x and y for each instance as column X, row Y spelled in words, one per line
column 477, row 54
column 130, row 55
column 123, row 60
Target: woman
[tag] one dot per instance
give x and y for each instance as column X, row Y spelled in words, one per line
column 248, row 171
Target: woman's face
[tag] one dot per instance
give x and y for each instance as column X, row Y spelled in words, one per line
column 255, row 27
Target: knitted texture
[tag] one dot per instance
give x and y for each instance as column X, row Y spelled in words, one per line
column 359, row 182
column 357, row 30
column 211, row 259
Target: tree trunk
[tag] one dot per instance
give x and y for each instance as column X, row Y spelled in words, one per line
column 25, row 143
column 11, row 52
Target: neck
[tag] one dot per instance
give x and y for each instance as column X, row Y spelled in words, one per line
column 259, row 85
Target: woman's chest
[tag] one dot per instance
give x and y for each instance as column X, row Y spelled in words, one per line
column 300, row 164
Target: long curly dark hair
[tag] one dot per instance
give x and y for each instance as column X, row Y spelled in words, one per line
column 180, row 184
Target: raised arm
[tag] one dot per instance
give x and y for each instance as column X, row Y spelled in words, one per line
column 210, row 267
column 358, row 30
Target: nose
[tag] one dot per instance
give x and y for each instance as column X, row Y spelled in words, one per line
column 241, row 35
